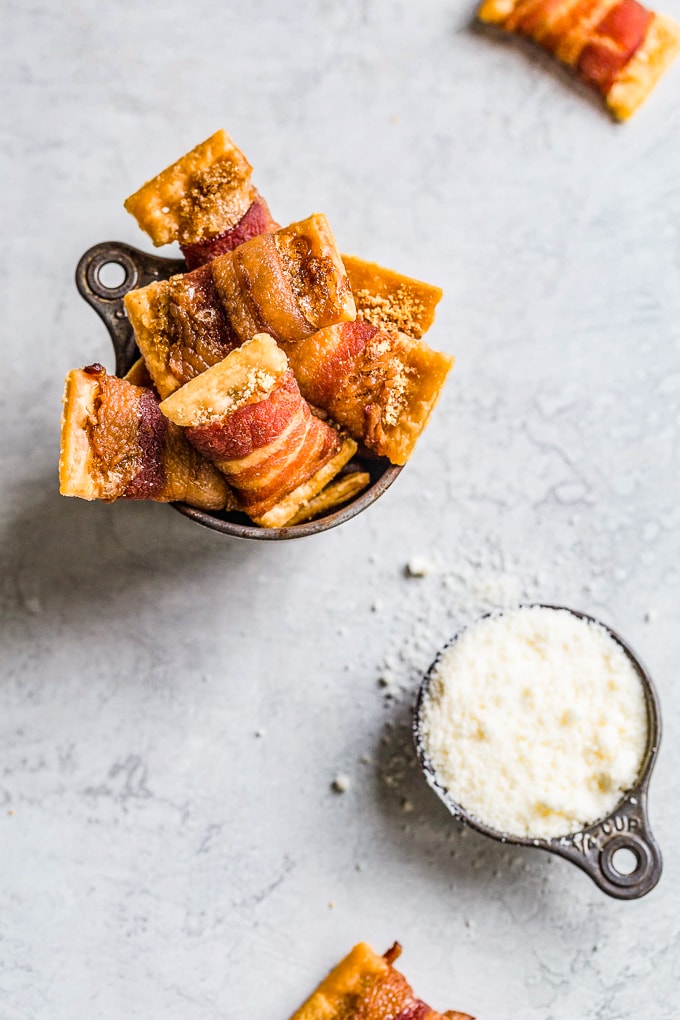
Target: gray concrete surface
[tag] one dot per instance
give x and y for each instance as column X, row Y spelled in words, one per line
column 157, row 856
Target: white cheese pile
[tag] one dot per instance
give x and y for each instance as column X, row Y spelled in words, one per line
column 535, row 722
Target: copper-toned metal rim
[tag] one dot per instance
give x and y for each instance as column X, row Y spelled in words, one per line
column 141, row 269
column 593, row 848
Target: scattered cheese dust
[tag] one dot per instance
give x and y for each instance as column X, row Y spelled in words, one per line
column 535, row 722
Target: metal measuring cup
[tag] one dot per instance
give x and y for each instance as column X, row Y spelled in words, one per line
column 140, row 269
column 594, row 848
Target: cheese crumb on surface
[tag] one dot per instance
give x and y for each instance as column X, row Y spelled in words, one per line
column 418, row 566
column 535, row 722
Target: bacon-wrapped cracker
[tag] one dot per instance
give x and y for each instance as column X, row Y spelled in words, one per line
column 618, row 47
column 380, row 386
column 255, row 221
column 247, row 415
column 391, row 300
column 366, row 985
column 116, row 444
column 289, row 284
column 205, row 201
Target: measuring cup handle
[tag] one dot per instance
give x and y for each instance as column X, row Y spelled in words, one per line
column 625, row 829
column 139, row 269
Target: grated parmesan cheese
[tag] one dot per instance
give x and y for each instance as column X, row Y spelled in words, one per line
column 535, row 722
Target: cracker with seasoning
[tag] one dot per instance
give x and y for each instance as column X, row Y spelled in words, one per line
column 247, row 415
column 367, row 986
column 206, row 201
column 289, row 284
column 116, row 444
column 618, row 47
column 380, row 385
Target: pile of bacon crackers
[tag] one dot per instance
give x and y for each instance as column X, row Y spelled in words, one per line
column 262, row 368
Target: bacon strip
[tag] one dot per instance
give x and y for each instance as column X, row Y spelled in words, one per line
column 200, row 333
column 601, row 40
column 116, row 444
column 247, row 415
column 288, row 284
column 255, row 221
column 381, row 386
column 365, row 986
column 617, row 38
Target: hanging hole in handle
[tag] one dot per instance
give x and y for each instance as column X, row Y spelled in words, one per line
column 111, row 274
column 626, row 860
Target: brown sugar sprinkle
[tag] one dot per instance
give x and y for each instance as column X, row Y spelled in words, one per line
column 401, row 310
column 214, row 196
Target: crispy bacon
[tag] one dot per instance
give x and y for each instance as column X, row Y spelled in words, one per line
column 251, row 427
column 127, row 438
column 381, row 386
column 597, row 38
column 390, row 995
column 562, row 28
column 116, row 444
column 289, row 283
column 328, row 363
column 267, row 289
column 365, row 986
column 199, row 331
column 532, row 16
column 617, row 38
column 255, row 221
column 267, row 449
column 248, row 416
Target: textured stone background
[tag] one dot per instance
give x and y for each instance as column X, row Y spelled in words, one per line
column 157, row 858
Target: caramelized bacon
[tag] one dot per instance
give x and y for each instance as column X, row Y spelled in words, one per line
column 392, row 996
column 247, row 415
column 268, row 287
column 312, row 266
column 618, row 47
column 301, row 447
column 617, row 38
column 191, row 322
column 199, row 330
column 365, row 986
column 256, row 220
column 561, row 27
column 116, row 444
column 253, row 426
column 380, row 386
column 531, row 17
